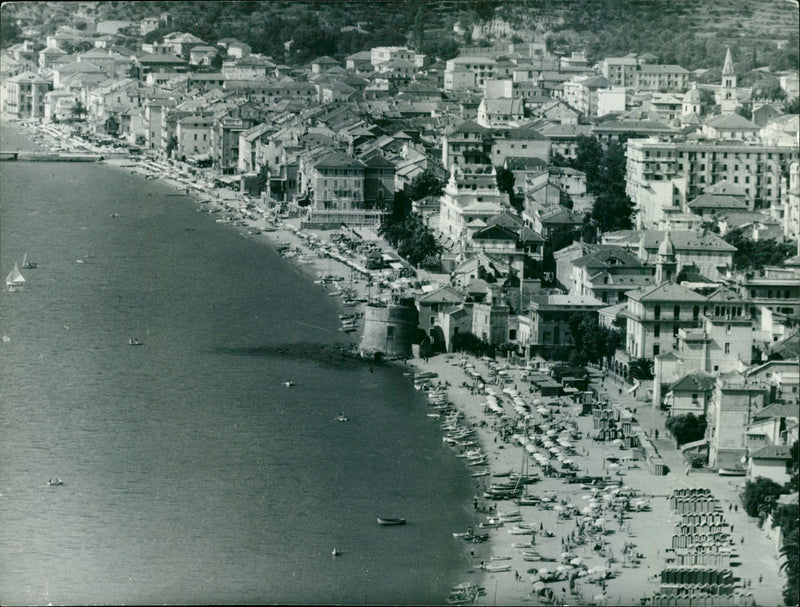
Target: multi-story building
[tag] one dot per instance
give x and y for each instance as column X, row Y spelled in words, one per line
column 772, row 287
column 468, row 138
column 657, row 77
column 154, row 109
column 706, row 252
column 24, row 95
column 734, row 403
column 382, row 54
column 483, row 69
column 609, row 273
column 546, row 325
column 500, row 112
column 620, row 71
column 194, row 137
column 470, row 194
column 656, row 314
column 662, row 175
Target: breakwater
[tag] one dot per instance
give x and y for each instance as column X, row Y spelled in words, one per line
column 27, row 156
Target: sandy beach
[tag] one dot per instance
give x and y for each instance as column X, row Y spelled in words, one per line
column 611, row 539
column 576, row 543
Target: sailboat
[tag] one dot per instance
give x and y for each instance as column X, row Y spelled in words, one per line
column 28, row 265
column 15, row 277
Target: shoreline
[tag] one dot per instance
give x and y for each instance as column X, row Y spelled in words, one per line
column 499, row 438
column 320, row 261
column 577, row 543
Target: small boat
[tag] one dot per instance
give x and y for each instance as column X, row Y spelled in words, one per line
column 55, row 482
column 496, row 568
column 342, row 418
column 288, row 384
column 28, row 265
column 382, row 520
column 335, row 552
column 134, row 342
column 15, row 277
column 480, row 473
column 79, row 261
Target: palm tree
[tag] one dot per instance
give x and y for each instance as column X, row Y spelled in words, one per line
column 78, row 110
column 790, row 551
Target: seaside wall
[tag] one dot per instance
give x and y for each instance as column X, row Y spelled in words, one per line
column 389, row 330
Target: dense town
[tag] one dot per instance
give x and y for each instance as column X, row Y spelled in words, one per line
column 585, row 221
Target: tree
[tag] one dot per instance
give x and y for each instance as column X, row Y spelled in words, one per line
column 755, row 254
column 10, row 32
column 759, row 496
column 471, row 343
column 793, row 107
column 401, row 207
column 505, row 180
column 423, row 185
column 561, row 236
column 641, row 369
column 112, row 125
column 588, row 156
column 687, row 428
column 589, row 229
column 505, row 183
column 791, row 566
column 172, row 143
column 413, row 239
column 592, row 342
column 613, row 212
column 78, row 110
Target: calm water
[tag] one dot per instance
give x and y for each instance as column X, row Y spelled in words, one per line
column 191, row 473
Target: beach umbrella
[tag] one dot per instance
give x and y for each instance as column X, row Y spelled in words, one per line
column 538, row 586
column 613, row 465
column 577, row 562
column 563, row 568
column 586, row 496
column 616, row 441
column 586, row 510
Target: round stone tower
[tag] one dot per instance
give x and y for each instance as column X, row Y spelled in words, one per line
column 389, row 329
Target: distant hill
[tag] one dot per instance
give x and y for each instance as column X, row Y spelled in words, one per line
column 692, row 33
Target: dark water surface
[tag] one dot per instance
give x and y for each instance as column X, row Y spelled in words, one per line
column 191, row 473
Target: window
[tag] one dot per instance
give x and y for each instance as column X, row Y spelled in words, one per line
column 657, row 311
column 656, row 349
column 433, row 320
column 657, row 331
column 695, row 399
column 695, row 312
column 512, row 334
column 674, row 329
column 676, row 312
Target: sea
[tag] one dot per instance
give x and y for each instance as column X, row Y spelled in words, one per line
column 191, row 473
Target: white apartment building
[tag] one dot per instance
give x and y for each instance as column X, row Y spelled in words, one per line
column 663, row 175
column 470, row 194
column 482, row 68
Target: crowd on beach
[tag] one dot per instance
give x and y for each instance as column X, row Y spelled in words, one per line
column 562, row 516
